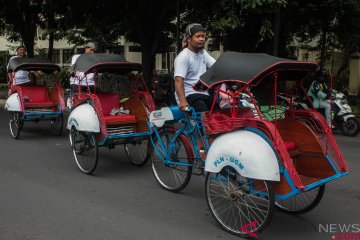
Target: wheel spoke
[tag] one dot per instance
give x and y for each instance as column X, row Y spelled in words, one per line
column 171, row 176
column 15, row 124
column 137, row 152
column 302, row 202
column 234, row 203
column 85, row 150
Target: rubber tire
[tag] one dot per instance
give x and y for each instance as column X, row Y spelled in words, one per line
column 307, row 208
column 344, row 129
column 16, row 119
column 87, row 169
column 167, row 185
column 132, row 159
column 57, row 131
column 236, row 231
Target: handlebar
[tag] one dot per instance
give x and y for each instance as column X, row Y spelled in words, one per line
column 191, row 110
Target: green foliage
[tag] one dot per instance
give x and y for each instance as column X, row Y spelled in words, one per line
column 164, row 94
column 266, row 31
column 4, row 57
column 21, row 18
column 240, row 25
column 64, row 77
column 40, row 52
column 254, row 4
column 3, row 86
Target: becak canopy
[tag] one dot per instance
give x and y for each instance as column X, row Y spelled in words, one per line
column 103, row 62
column 32, row 64
column 250, row 67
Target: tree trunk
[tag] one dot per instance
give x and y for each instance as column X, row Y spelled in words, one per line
column 345, row 62
column 323, row 49
column 28, row 30
column 29, row 39
column 147, row 64
column 51, row 45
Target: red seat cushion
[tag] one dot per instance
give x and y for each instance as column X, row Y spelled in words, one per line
column 35, row 93
column 108, row 102
column 119, row 119
column 36, row 96
column 290, row 145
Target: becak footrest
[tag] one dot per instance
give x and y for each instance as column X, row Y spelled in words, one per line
column 120, row 119
column 46, row 104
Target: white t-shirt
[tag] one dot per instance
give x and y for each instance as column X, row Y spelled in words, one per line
column 79, row 76
column 21, row 76
column 190, row 66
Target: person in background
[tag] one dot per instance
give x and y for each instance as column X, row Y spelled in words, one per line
column 189, row 65
column 78, row 78
column 319, row 92
column 225, row 99
column 21, row 77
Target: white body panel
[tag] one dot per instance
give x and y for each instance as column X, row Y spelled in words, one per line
column 159, row 117
column 13, row 103
column 246, row 152
column 84, row 118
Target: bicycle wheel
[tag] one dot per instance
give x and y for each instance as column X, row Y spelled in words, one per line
column 301, row 203
column 57, row 125
column 173, row 176
column 16, row 124
column 85, row 150
column 242, row 206
column 137, row 152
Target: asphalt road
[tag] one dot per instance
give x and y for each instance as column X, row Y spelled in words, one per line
column 45, row 196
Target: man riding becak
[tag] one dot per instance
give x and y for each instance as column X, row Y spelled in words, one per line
column 189, row 65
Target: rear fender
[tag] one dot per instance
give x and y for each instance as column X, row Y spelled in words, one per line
column 84, row 118
column 13, row 103
column 247, row 152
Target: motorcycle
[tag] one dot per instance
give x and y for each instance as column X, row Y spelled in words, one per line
column 342, row 116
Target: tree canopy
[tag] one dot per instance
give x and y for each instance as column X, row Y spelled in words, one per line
column 239, row 25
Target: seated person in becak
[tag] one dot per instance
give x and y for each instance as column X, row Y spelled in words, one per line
column 319, row 93
column 225, row 99
column 20, row 77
